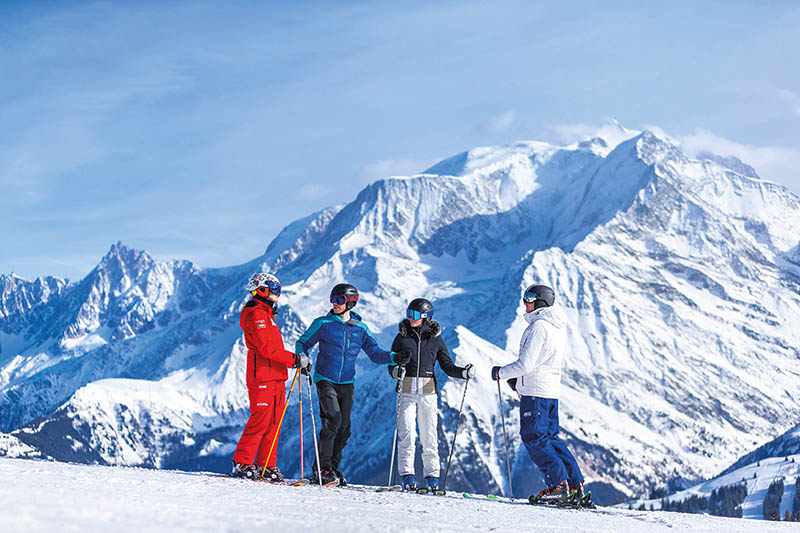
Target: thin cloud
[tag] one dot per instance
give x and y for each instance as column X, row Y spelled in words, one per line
column 501, row 122
column 394, row 167
column 792, row 98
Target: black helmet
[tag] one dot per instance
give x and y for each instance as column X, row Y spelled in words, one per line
column 419, row 308
column 539, row 293
column 344, row 293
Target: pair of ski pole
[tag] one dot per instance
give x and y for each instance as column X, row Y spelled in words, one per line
column 313, row 424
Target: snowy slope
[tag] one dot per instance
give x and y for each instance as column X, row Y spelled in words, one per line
column 57, row 496
column 757, row 477
column 680, row 278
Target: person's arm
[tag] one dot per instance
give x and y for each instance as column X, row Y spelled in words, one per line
column 266, row 338
column 309, row 338
column 395, row 348
column 446, row 362
column 528, row 356
column 373, row 351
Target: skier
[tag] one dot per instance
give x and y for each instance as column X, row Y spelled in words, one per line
column 536, row 376
column 420, row 335
column 341, row 336
column 267, row 363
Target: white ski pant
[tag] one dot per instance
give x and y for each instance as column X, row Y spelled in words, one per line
column 422, row 408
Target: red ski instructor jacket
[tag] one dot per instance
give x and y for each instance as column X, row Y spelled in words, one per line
column 267, row 359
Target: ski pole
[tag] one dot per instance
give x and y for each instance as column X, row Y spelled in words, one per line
column 453, row 447
column 396, row 418
column 314, row 429
column 300, row 397
column 505, row 438
column 278, row 432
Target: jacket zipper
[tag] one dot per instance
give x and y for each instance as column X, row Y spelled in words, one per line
column 344, row 351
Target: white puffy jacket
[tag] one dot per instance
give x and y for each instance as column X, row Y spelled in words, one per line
column 541, row 352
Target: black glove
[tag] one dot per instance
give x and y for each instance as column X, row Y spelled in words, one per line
column 306, row 370
column 301, row 361
column 402, row 358
column 468, row 372
column 495, row 373
column 512, row 383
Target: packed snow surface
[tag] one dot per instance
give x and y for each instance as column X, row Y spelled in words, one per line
column 51, row 496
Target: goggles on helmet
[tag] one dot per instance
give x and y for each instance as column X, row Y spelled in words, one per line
column 341, row 299
column 416, row 315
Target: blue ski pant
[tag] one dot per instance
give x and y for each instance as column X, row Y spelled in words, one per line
column 539, row 431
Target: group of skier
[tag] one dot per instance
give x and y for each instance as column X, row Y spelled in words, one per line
column 341, row 335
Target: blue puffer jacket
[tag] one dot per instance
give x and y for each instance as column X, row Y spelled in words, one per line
column 339, row 344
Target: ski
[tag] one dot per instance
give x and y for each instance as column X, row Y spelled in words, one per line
column 290, row 482
column 437, row 492
column 390, row 488
column 481, row 496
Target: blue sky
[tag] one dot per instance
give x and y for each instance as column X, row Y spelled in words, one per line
column 197, row 130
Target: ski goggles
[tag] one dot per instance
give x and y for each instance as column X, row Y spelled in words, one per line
column 274, row 287
column 341, row 299
column 416, row 315
column 529, row 297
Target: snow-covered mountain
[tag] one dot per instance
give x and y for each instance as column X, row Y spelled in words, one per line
column 755, row 477
column 680, row 278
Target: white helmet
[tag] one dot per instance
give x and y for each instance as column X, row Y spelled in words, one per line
column 267, row 281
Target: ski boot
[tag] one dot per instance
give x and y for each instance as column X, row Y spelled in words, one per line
column 558, row 496
column 409, row 482
column 244, row 471
column 329, row 478
column 342, row 479
column 432, row 486
column 580, row 497
column 271, row 474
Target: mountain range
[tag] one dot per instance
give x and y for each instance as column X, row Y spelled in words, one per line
column 679, row 277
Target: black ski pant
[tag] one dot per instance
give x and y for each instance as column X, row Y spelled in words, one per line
column 335, row 404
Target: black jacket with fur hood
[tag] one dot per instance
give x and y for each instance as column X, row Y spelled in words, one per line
column 426, row 346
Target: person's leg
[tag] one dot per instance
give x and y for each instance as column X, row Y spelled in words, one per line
column 331, row 418
column 406, row 434
column 574, row 474
column 534, row 423
column 257, row 424
column 345, row 393
column 428, row 415
column 275, row 392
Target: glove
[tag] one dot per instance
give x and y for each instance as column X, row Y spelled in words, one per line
column 394, row 371
column 512, row 383
column 306, row 370
column 468, row 372
column 402, row 358
column 495, row 373
column 300, row 361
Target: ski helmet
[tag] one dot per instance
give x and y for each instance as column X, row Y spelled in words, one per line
column 539, row 293
column 419, row 308
column 344, row 293
column 264, row 280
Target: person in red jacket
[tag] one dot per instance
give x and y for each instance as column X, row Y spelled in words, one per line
column 267, row 363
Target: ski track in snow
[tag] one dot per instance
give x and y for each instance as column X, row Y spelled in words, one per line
column 50, row 496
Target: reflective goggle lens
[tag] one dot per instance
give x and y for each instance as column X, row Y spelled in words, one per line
column 416, row 315
column 275, row 288
column 529, row 297
column 341, row 299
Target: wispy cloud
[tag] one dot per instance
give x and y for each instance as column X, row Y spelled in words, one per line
column 310, row 191
column 501, row 122
column 777, row 163
column 792, row 98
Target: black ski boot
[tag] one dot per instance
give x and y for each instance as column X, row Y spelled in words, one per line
column 581, row 497
column 558, row 496
column 244, row 471
column 342, row 479
column 329, row 477
column 271, row 474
